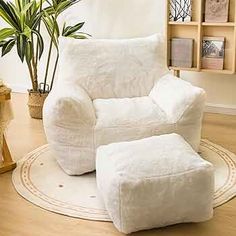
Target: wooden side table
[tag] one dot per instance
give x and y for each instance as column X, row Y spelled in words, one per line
column 7, row 163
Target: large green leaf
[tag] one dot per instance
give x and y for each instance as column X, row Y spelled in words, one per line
column 2, row 43
column 72, row 29
column 49, row 18
column 50, row 10
column 6, row 33
column 17, row 11
column 52, row 24
column 18, row 4
column 6, row 15
column 55, row 2
column 13, row 14
column 57, row 31
column 27, row 32
column 39, row 4
column 21, row 44
column 29, row 52
column 27, row 7
column 63, row 6
column 48, row 26
column 35, row 21
column 8, row 46
column 40, row 42
column 26, row 14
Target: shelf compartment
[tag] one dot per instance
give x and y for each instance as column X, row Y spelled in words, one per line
column 196, row 7
column 231, row 18
column 179, row 31
column 228, row 34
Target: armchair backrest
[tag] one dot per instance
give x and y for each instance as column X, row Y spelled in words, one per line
column 112, row 68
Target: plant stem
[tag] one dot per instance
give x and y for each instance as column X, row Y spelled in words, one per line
column 49, row 57
column 34, row 64
column 54, row 71
column 35, row 72
column 32, row 77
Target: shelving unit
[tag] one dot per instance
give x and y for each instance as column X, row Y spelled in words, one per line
column 7, row 163
column 197, row 29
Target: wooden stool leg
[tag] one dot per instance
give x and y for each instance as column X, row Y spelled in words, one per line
column 7, row 164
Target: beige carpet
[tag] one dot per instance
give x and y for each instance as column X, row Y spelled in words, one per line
column 39, row 179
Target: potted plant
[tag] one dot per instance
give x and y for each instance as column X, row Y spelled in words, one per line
column 24, row 18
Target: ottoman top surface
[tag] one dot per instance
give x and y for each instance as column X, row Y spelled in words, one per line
column 155, row 156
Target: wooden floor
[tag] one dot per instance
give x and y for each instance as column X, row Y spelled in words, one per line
column 18, row 217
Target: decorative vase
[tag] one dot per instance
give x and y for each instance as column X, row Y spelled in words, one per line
column 35, row 104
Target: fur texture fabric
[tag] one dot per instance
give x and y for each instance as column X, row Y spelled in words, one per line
column 112, row 68
column 154, row 182
column 112, row 91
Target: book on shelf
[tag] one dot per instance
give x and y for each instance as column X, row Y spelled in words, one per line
column 213, row 50
column 182, row 52
column 180, row 10
column 216, row 11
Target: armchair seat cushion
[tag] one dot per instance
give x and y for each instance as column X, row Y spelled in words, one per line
column 126, row 119
column 128, row 112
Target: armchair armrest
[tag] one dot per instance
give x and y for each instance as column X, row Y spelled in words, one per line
column 177, row 98
column 68, row 105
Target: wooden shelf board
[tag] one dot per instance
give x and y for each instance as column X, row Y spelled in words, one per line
column 183, row 23
column 218, row 71
column 202, row 70
column 186, row 69
column 226, row 24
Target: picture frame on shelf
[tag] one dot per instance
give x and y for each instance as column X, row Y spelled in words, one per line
column 216, row 11
column 182, row 52
column 213, row 51
column 180, row 10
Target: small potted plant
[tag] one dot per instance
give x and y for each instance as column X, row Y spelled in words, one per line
column 24, row 18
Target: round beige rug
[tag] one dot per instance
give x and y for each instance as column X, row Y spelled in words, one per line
column 39, row 179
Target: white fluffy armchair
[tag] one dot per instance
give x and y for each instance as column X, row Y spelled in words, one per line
column 115, row 90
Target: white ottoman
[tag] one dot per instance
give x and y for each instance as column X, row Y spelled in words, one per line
column 154, row 182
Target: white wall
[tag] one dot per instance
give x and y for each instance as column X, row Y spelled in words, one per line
column 122, row 19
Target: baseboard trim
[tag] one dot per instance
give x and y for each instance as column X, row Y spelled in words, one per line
column 220, row 109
